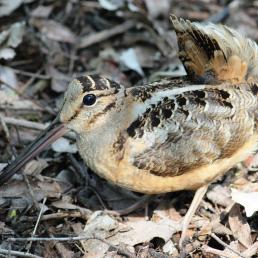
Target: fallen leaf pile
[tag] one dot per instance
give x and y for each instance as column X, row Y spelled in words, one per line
column 43, row 45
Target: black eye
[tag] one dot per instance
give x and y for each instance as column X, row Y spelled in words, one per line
column 89, row 99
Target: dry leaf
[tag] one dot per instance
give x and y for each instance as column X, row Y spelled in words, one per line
column 42, row 11
column 66, row 204
column 35, row 167
column 170, row 248
column 59, row 80
column 248, row 200
column 155, row 10
column 2, row 165
column 8, row 97
column 8, row 76
column 9, row 100
column 130, row 60
column 220, row 195
column 252, row 161
column 239, row 226
column 11, row 38
column 63, row 145
column 52, row 190
column 165, row 209
column 7, row 53
column 145, row 231
column 146, row 56
column 251, row 251
column 3, row 36
column 100, row 225
column 8, row 6
column 111, row 5
column 54, row 30
column 63, row 251
column 16, row 33
column 18, row 193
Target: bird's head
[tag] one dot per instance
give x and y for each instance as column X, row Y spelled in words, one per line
column 89, row 102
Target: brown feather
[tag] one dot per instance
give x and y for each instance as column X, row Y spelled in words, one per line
column 214, row 53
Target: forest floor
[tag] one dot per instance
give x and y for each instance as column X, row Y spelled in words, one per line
column 43, row 45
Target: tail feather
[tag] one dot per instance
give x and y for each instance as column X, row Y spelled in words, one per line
column 213, row 53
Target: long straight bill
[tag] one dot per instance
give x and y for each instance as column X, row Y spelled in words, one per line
column 48, row 136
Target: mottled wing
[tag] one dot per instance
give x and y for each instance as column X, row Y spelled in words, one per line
column 192, row 128
column 213, row 53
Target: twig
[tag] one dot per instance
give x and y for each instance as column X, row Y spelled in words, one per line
column 252, row 250
column 29, row 74
column 9, row 86
column 78, row 238
column 156, row 254
column 39, row 217
column 32, row 195
column 198, row 196
column 90, row 5
column 220, row 253
column 98, row 197
column 31, row 125
column 139, row 204
column 24, row 87
column 72, row 60
column 225, row 245
column 105, row 34
column 225, row 12
column 74, row 214
column 81, row 170
column 159, row 40
column 47, row 239
column 5, row 128
column 24, row 123
column 220, row 16
column 47, row 109
column 17, row 253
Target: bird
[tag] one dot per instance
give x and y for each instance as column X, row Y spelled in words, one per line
column 173, row 134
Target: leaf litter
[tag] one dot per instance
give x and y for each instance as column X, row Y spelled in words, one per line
column 43, row 45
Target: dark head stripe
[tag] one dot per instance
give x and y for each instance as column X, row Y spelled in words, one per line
column 96, row 82
column 254, row 89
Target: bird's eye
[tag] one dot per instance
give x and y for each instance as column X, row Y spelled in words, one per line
column 89, row 99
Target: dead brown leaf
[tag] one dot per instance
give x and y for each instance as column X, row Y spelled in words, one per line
column 54, row 30
column 240, row 227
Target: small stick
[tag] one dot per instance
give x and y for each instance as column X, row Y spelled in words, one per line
column 225, row 245
column 220, row 253
column 47, row 109
column 78, row 238
column 61, row 215
column 38, row 219
column 139, row 204
column 192, row 209
column 105, row 34
column 5, row 128
column 31, row 125
column 29, row 74
column 17, row 253
column 24, row 123
column 252, row 250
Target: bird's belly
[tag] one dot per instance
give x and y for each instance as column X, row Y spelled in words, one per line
column 124, row 174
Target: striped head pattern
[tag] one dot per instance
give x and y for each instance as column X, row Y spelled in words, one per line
column 87, row 101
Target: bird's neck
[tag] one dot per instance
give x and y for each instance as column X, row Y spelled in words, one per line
column 96, row 146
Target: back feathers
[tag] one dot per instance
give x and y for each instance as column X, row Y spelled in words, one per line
column 214, row 53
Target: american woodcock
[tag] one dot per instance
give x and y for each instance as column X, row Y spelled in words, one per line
column 173, row 134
